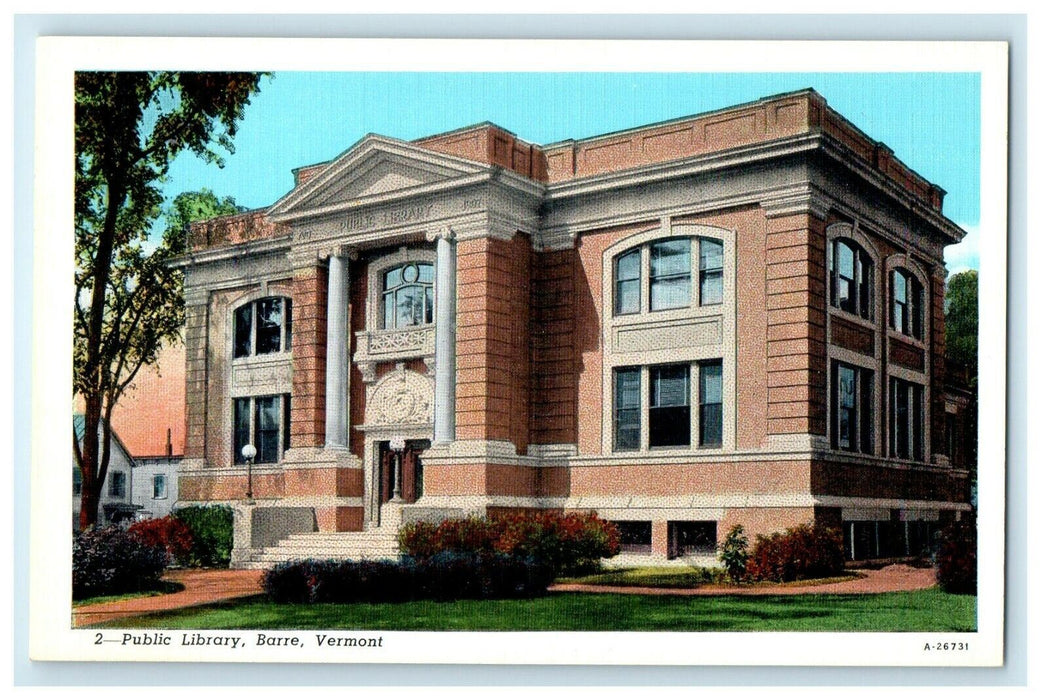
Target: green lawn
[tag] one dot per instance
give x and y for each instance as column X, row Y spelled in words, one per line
column 163, row 588
column 912, row 611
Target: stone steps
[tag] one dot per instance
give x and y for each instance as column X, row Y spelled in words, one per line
column 370, row 544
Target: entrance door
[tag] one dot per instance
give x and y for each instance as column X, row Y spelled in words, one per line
column 410, row 471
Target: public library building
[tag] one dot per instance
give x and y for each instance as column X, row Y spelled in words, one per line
column 735, row 317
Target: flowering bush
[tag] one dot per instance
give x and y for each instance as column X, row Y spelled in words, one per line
column 569, row 543
column 110, row 561
column 169, row 533
column 955, row 567
column 443, row 576
column 801, row 552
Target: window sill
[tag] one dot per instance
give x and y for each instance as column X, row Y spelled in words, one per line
column 870, row 324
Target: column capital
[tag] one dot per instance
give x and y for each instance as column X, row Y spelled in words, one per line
column 340, row 250
column 444, row 233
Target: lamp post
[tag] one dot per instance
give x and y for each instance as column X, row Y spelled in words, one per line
column 249, row 452
column 397, row 444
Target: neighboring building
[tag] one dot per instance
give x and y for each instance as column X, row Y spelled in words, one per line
column 116, row 504
column 735, row 317
column 156, row 484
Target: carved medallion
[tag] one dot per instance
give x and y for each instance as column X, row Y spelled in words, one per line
column 400, row 397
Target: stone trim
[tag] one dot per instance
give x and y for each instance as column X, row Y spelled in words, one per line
column 724, row 314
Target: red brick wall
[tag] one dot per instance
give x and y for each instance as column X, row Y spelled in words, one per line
column 309, row 353
column 554, row 348
column 492, row 340
column 196, row 380
column 796, row 304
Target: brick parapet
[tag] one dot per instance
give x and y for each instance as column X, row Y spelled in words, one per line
column 235, row 228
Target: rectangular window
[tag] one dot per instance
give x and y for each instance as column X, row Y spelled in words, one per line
column 78, row 481
column 159, row 486
column 241, row 428
column 117, row 484
column 711, row 404
column 711, row 272
column 906, row 405
column 627, row 283
column 670, row 412
column 267, row 429
column 670, row 274
column 265, row 422
column 692, row 537
column 852, row 402
column 634, row 536
column 627, row 408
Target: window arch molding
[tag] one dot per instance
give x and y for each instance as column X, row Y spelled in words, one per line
column 853, row 235
column 642, row 240
column 906, row 263
column 375, row 271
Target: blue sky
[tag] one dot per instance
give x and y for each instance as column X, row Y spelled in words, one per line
column 930, row 120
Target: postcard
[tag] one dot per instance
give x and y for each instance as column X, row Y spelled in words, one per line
column 535, row 352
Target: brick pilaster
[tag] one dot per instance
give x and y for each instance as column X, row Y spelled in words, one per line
column 796, row 304
column 308, row 355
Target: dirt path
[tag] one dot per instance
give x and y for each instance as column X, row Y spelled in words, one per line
column 201, row 587
column 897, row 577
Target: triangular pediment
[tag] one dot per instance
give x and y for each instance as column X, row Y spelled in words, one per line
column 375, row 169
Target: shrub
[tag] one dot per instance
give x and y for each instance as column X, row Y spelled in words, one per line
column 169, row 533
column 212, row 530
column 569, row 543
column 734, row 554
column 802, row 552
column 111, row 560
column 444, row 576
column 955, row 559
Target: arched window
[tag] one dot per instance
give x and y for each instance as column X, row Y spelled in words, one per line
column 668, row 275
column 262, row 326
column 407, row 295
column 851, row 273
column 907, row 304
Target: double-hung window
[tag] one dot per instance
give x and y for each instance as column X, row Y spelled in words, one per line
column 906, row 419
column 407, row 295
column 851, row 273
column 117, row 484
column 907, row 304
column 670, row 416
column 261, row 327
column 852, row 403
column 159, row 486
column 627, row 408
column 265, row 422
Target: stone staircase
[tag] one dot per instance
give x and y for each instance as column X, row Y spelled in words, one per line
column 379, row 543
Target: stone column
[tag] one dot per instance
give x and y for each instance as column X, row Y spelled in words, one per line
column 336, row 405
column 444, row 355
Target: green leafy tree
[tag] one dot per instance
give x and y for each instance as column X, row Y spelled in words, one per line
column 962, row 347
column 962, row 319
column 129, row 127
